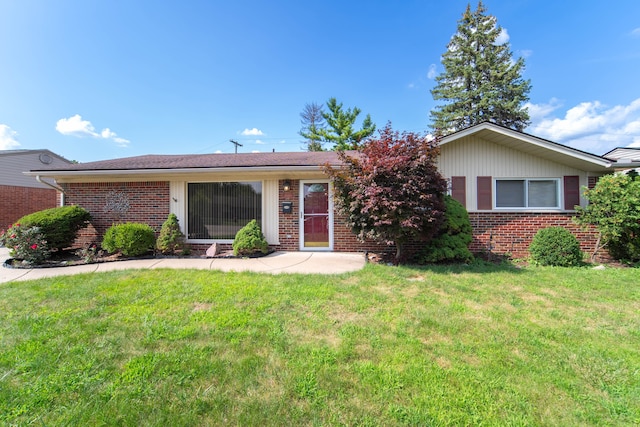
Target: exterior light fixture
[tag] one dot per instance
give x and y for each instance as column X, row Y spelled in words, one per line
column 286, row 185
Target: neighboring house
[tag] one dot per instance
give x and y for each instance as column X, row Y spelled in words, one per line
column 511, row 183
column 21, row 194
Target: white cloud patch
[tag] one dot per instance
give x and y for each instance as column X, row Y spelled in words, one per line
column 76, row 126
column 432, row 73
column 503, row 37
column 259, row 142
column 252, row 132
column 8, row 139
column 635, row 32
column 590, row 126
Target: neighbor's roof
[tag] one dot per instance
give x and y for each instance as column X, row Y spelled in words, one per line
column 624, row 153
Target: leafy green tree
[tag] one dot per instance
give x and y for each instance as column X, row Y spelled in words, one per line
column 312, row 122
column 339, row 129
column 481, row 81
column 391, row 191
column 613, row 210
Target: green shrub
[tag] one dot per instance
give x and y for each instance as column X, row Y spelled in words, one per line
column 171, row 238
column 59, row 226
column 451, row 243
column 555, row 246
column 26, row 243
column 250, row 240
column 130, row 239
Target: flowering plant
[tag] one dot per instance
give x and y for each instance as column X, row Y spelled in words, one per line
column 89, row 253
column 26, row 244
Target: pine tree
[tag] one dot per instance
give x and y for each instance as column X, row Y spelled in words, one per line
column 339, row 127
column 481, row 81
column 312, row 123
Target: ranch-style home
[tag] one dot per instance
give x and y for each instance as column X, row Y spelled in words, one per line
column 511, row 183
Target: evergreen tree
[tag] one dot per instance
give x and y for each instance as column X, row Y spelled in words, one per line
column 339, row 130
column 312, row 123
column 481, row 81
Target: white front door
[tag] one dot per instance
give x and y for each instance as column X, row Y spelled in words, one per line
column 316, row 216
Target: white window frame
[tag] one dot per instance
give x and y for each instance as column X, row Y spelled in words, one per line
column 526, row 194
column 186, row 207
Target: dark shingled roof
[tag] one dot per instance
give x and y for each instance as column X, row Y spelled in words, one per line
column 200, row 161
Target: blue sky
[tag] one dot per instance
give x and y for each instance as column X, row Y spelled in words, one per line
column 92, row 79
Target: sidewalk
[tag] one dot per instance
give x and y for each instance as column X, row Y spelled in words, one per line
column 275, row 263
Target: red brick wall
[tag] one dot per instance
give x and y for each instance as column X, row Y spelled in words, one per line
column 511, row 233
column 501, row 233
column 17, row 202
column 148, row 202
column 289, row 222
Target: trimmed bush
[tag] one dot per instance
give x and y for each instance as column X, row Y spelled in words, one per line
column 451, row 244
column 250, row 240
column 171, row 238
column 59, row 226
column 130, row 239
column 555, row 246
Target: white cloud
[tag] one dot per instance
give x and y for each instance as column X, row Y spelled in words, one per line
column 259, row 142
column 75, row 126
column 8, row 138
column 635, row 32
column 590, row 126
column 432, row 73
column 252, row 132
column 256, row 151
column 503, row 37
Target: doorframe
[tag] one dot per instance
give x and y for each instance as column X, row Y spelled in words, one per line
column 301, row 214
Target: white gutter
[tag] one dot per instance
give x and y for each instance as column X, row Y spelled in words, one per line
column 55, row 187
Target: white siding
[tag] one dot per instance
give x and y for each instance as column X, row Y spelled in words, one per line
column 270, row 207
column 178, row 203
column 473, row 157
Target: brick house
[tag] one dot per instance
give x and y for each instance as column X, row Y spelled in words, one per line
column 20, row 194
column 511, row 183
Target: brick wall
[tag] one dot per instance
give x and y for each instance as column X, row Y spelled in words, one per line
column 502, row 233
column 17, row 202
column 111, row 202
column 511, row 233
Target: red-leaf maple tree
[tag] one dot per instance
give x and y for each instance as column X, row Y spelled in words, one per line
column 390, row 189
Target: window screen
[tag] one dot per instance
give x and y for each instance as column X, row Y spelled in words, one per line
column 217, row 210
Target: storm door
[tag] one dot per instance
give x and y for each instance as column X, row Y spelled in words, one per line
column 316, row 216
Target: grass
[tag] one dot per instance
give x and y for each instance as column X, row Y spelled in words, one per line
column 479, row 345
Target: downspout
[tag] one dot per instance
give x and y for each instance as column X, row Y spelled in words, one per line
column 55, row 187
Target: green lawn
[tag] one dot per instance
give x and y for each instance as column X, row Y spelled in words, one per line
column 478, row 345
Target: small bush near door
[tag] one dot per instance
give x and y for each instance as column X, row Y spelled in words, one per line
column 250, row 240
column 130, row 239
column 555, row 246
column 171, row 239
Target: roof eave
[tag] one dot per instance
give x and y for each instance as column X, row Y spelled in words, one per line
column 170, row 171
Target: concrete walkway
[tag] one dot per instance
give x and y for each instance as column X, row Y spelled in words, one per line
column 277, row 262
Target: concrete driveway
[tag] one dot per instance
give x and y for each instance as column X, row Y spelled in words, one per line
column 275, row 263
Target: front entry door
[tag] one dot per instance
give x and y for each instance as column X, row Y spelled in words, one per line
column 316, row 216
